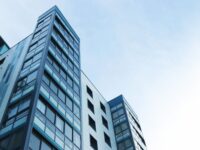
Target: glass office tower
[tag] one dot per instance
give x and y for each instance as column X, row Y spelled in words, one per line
column 128, row 133
column 43, row 111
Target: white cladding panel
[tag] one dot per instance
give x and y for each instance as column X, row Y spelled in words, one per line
column 97, row 116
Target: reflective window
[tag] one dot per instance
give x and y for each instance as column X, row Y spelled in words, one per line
column 69, row 81
column 41, row 106
column 59, row 123
column 31, row 76
column 69, row 103
column 54, row 87
column 61, row 95
column 12, row 112
column 76, row 111
column 24, row 105
column 34, row 142
column 50, row 115
column 77, row 139
column 68, row 131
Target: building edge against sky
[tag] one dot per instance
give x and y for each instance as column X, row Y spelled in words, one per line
column 48, row 95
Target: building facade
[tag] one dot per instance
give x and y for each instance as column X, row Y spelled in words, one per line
column 44, row 108
column 128, row 133
column 48, row 103
column 10, row 63
column 97, row 127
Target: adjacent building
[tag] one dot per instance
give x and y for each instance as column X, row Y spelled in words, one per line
column 11, row 60
column 128, row 133
column 98, row 133
column 48, row 103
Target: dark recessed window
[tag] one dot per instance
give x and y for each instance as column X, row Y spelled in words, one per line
column 92, row 123
column 90, row 106
column 1, row 61
column 107, row 139
column 105, row 122
column 103, row 107
column 89, row 91
column 93, row 143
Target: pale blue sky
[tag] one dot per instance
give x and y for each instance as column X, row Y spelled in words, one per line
column 147, row 50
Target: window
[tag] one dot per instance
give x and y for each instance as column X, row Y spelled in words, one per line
column 24, row 105
column 56, row 66
column 89, row 91
column 54, row 87
column 41, row 106
column 12, row 112
column 63, row 74
column 31, row 77
column 59, row 123
column 50, row 115
column 105, row 122
column 68, row 131
column 92, row 123
column 76, row 89
column 76, row 71
column 107, row 139
column 103, row 107
column 69, row 81
column 61, row 95
column 45, row 78
column 27, row 63
column 93, row 143
column 69, row 103
column 45, row 146
column 70, row 64
column 34, row 142
column 128, row 143
column 2, row 60
column 36, row 57
column 77, row 139
column 76, row 111
column 90, row 106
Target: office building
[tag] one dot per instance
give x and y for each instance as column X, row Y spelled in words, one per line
column 48, row 103
column 11, row 60
column 97, row 127
column 128, row 133
column 44, row 108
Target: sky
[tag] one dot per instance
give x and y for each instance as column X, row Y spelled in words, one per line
column 146, row 50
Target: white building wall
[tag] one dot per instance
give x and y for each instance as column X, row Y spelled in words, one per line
column 100, row 128
column 9, row 70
